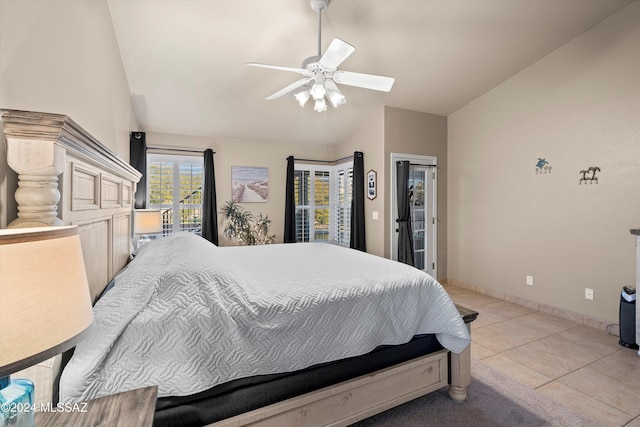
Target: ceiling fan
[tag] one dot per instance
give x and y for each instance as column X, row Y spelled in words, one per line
column 321, row 72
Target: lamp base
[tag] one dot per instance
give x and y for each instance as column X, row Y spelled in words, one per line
column 16, row 403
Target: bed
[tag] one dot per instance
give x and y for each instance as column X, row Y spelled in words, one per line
column 336, row 375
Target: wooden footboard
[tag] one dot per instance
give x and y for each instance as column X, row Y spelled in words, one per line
column 460, row 364
column 459, row 374
column 365, row 396
column 352, row 400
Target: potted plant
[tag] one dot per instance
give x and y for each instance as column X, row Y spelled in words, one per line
column 242, row 226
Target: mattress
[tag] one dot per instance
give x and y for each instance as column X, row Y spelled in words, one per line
column 247, row 394
column 186, row 315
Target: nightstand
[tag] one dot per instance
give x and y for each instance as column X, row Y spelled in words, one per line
column 133, row 408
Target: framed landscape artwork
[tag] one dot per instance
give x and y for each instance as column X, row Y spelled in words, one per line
column 249, row 184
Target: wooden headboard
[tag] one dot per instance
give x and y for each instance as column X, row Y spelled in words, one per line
column 67, row 177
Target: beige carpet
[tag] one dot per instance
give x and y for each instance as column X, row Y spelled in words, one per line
column 494, row 400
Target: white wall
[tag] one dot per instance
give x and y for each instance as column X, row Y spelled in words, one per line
column 62, row 57
column 578, row 107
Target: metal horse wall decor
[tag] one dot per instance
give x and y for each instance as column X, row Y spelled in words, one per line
column 590, row 179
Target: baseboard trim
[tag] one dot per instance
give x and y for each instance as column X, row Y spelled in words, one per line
column 612, row 328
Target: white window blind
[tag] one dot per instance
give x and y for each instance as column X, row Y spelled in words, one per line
column 343, row 192
column 302, row 190
column 323, row 203
column 175, row 187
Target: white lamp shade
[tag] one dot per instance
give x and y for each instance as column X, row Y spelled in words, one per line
column 44, row 295
column 302, row 97
column 318, row 91
column 147, row 221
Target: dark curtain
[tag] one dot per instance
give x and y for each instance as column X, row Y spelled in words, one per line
column 405, row 236
column 290, row 204
column 138, row 159
column 209, row 207
column 357, row 238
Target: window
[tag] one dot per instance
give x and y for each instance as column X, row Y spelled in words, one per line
column 343, row 191
column 323, row 203
column 175, row 187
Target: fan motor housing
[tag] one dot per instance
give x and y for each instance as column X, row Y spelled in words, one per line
column 312, row 63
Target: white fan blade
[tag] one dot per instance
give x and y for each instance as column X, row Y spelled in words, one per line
column 367, row 81
column 289, row 88
column 336, row 53
column 278, row 67
column 330, row 85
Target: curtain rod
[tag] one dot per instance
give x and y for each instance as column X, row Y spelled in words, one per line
column 331, row 162
column 184, row 150
column 417, row 164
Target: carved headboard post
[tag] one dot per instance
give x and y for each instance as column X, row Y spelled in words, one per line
column 38, row 164
column 95, row 189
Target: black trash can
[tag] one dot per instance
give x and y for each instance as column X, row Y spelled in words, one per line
column 628, row 318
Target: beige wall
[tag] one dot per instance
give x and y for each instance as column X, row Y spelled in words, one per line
column 578, row 107
column 62, row 57
column 412, row 132
column 370, row 139
column 271, row 155
column 386, row 130
column 394, row 130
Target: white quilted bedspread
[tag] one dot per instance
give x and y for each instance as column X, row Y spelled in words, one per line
column 186, row 315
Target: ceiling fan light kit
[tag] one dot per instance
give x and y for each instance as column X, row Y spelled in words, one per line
column 318, row 91
column 321, row 73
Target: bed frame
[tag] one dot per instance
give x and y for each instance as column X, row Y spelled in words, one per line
column 362, row 397
column 95, row 192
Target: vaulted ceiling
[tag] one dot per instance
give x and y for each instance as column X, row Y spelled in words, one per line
column 185, row 59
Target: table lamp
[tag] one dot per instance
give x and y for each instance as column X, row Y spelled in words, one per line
column 45, row 307
column 145, row 222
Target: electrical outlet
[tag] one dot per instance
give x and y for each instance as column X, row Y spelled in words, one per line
column 530, row 280
column 588, row 293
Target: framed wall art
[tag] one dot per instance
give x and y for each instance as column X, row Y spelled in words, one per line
column 371, row 184
column 249, row 184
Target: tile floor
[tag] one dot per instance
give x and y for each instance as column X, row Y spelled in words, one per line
column 577, row 365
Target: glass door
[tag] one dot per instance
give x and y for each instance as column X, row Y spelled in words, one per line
column 422, row 219
column 422, row 201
